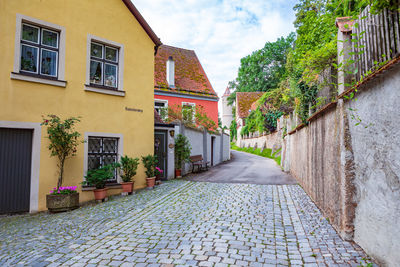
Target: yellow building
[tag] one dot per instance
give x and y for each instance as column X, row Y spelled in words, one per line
column 93, row 59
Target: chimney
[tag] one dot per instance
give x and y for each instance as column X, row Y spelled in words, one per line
column 171, row 72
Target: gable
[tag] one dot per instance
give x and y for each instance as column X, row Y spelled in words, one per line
column 189, row 74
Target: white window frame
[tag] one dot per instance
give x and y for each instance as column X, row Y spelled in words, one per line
column 48, row 30
column 194, row 108
column 16, row 74
column 98, row 134
column 37, row 58
column 119, row 91
column 41, row 50
column 161, row 101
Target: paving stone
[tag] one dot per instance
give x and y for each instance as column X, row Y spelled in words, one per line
column 184, row 224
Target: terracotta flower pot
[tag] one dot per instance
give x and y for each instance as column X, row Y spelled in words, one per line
column 59, row 203
column 151, row 182
column 100, row 194
column 127, row 187
column 178, row 173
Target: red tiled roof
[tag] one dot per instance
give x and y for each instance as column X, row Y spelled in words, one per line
column 189, row 74
column 244, row 101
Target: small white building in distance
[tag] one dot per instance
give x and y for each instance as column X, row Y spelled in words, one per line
column 227, row 115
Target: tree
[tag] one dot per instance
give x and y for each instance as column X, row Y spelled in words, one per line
column 63, row 140
column 263, row 69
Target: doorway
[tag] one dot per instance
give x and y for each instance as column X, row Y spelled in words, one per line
column 160, row 150
column 15, row 169
column 212, row 150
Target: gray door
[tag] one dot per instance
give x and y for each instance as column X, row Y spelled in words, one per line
column 160, row 150
column 15, row 169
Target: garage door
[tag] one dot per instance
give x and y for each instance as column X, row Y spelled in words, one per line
column 15, row 169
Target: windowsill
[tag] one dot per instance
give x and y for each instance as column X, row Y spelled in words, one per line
column 102, row 90
column 110, row 186
column 36, row 79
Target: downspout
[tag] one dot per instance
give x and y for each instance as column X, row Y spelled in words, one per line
column 156, row 48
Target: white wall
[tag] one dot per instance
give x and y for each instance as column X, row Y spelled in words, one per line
column 199, row 147
column 196, row 141
column 226, row 150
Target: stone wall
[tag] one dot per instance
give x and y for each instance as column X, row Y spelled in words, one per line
column 315, row 163
column 262, row 141
column 352, row 171
column 377, row 168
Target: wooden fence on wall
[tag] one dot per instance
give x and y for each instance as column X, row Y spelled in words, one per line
column 376, row 39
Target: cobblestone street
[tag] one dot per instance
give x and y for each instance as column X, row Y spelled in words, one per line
column 182, row 223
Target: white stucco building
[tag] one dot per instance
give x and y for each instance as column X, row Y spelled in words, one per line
column 227, row 115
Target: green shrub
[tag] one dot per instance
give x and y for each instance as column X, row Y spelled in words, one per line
column 127, row 168
column 182, row 150
column 150, row 162
column 98, row 177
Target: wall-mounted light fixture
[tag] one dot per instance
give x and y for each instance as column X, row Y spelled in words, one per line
column 172, row 133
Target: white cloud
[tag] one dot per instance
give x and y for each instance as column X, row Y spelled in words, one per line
column 221, row 32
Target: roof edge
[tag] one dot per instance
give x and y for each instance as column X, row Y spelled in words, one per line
column 184, row 91
column 142, row 22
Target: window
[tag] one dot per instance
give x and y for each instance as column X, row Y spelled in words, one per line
column 39, row 51
column 161, row 106
column 103, row 65
column 188, row 111
column 102, row 151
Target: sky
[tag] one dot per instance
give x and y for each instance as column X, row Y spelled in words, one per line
column 221, row 32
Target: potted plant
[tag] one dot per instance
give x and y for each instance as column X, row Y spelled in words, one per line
column 149, row 163
column 127, row 169
column 63, row 198
column 158, row 172
column 98, row 178
column 63, row 143
column 182, row 153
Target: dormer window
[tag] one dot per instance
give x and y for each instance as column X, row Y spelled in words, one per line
column 171, row 72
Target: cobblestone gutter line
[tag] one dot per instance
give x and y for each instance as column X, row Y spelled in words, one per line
column 327, row 246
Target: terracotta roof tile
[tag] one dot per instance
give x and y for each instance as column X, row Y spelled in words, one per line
column 244, row 101
column 189, row 74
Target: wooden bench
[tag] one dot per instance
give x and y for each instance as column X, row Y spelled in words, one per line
column 197, row 160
